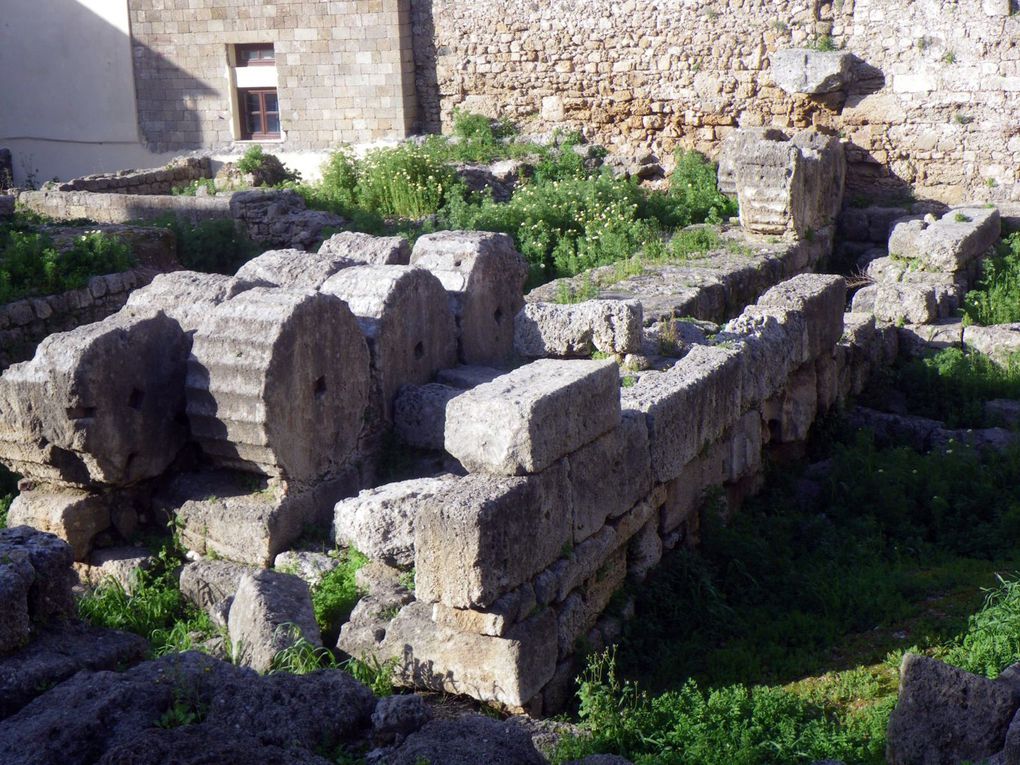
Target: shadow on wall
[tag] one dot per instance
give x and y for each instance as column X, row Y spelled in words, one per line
column 72, row 106
column 426, row 78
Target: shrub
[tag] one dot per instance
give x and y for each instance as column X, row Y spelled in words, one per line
column 252, row 160
column 5, row 506
column 406, row 182
column 992, row 640
column 997, row 297
column 694, row 191
column 211, row 246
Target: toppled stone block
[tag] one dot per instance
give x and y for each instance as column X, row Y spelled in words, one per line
column 397, row 717
column 312, row 567
column 277, row 384
column 380, row 522
column 35, row 583
column 950, row 243
column 609, row 475
column 100, row 404
column 364, row 248
column 811, row 72
column 918, row 339
column 578, row 330
column 791, row 187
column 294, row 269
column 506, row 531
column 484, row 276
column 404, row 314
column 945, row 715
column 270, row 610
column 898, row 303
column 527, row 419
column 186, row 296
column 687, row 407
column 419, row 414
column 123, row 565
column 998, row 342
column 465, row 377
column 466, row 741
column 210, row 584
column 73, row 515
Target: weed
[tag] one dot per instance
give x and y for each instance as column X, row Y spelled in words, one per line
column 991, row 183
column 301, row 656
column 694, row 241
column 781, row 26
column 406, row 580
column 961, row 218
column 211, row 246
column 336, row 594
column 824, row 43
column 191, row 189
column 377, row 675
column 949, row 57
column 252, row 160
column 923, row 43
column 996, row 300
column 962, row 119
column 628, row 381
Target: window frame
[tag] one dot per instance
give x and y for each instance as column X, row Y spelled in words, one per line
column 240, row 48
column 263, row 134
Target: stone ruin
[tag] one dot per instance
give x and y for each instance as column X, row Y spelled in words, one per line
column 535, row 480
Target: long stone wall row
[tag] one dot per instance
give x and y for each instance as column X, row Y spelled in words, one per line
column 928, row 101
column 161, row 180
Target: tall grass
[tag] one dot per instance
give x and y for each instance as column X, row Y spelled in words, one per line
column 997, row 297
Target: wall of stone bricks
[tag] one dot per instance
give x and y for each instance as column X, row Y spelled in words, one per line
column 934, row 108
column 160, row 180
column 122, row 208
column 26, row 323
column 346, row 70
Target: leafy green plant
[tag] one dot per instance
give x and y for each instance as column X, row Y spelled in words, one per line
column 407, row 182
column 252, row 159
column 191, row 189
column 5, row 506
column 301, row 656
column 336, row 594
column 996, row 300
column 992, row 640
column 377, row 675
column 212, row 246
column 824, row 43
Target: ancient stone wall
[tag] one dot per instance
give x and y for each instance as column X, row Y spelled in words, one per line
column 344, row 69
column 122, row 208
column 161, row 180
column 932, row 107
column 25, row 323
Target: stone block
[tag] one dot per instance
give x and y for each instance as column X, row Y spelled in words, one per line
column 419, row 414
column 898, row 303
column 294, row 269
column 688, row 407
column 950, row 243
column 268, row 609
column 771, row 342
column 489, row 534
column 999, row 342
column 123, row 565
column 278, row 383
column 609, row 475
column 405, row 317
column 918, row 339
column 484, row 276
column 380, row 522
column 497, row 620
column 811, row 72
column 100, row 404
column 364, row 248
column 578, row 330
column 527, row 419
column 582, row 608
column 312, row 567
column 73, row 515
column 186, row 296
column 737, row 144
column 644, row 551
column 821, row 299
column 467, row 376
column 211, row 584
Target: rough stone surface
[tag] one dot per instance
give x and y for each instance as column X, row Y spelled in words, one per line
column 364, row 248
column 100, row 404
column 277, row 384
column 186, row 296
column 419, row 414
column 484, row 276
column 998, row 342
column 949, row 244
column 380, row 522
column 121, row 564
column 465, row 741
column 396, row 717
column 508, row 529
column 267, row 608
column 73, row 515
column 310, row 566
column 294, row 269
column 404, row 315
column 527, row 419
column 208, row 584
column 808, row 71
column 578, row 329
column 945, row 715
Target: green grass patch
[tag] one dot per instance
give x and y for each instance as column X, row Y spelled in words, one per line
column 336, row 594
column 997, row 297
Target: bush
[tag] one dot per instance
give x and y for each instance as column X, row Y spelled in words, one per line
column 997, row 297
column 252, row 160
column 210, row 246
column 694, row 191
column 405, row 182
column 992, row 640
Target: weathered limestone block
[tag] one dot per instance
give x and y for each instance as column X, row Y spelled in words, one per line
column 945, row 715
column 100, row 404
column 404, row 315
column 186, row 296
column 949, row 244
column 793, row 186
column 484, row 276
column 396, row 717
column 35, row 583
column 380, row 522
column 73, row 515
column 310, row 566
column 294, row 269
column 268, row 608
column 277, row 384
column 771, row 342
column 898, row 303
column 609, row 475
column 123, row 565
column 687, row 407
column 465, row 376
column 510, row 670
column 821, row 299
column 211, row 584
column 584, row 560
column 998, row 342
column 917, row 339
column 527, row 419
column 506, row 530
column 735, row 145
column 419, row 414
column 496, row 620
column 791, row 414
column 579, row 329
column 812, row 72
column 644, row 551
column 582, row 608
column 364, row 248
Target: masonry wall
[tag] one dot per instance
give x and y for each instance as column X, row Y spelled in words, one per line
column 345, row 69
column 934, row 107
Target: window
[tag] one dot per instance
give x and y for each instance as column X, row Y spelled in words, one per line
column 260, row 117
column 255, row 54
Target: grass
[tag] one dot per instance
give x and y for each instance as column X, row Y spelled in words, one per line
column 31, row 265
column 997, row 297
column 336, row 594
column 951, row 385
column 778, row 640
